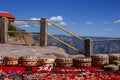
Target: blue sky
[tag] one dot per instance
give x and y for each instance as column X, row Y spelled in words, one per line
column 82, row 17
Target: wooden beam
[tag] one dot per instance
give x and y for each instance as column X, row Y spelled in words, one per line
column 71, row 47
column 3, row 30
column 24, row 20
column 88, row 46
column 106, row 40
column 23, row 32
column 43, row 32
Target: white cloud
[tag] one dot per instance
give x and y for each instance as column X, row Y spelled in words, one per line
column 117, row 21
column 62, row 23
column 109, row 29
column 35, row 18
column 89, row 22
column 56, row 18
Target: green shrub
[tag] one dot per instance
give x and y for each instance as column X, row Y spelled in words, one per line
column 12, row 28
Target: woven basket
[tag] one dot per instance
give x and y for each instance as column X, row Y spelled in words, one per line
column 46, row 62
column 111, row 67
column 113, row 57
column 28, row 60
column 11, row 60
column 1, row 60
column 82, row 59
column 100, row 57
column 63, row 62
column 82, row 62
column 11, row 63
column 28, row 63
column 100, row 62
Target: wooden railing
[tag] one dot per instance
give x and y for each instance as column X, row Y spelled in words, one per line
column 23, row 32
column 61, row 28
column 65, row 30
column 88, row 43
column 107, row 40
column 63, row 42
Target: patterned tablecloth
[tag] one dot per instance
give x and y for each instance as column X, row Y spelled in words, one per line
column 53, row 73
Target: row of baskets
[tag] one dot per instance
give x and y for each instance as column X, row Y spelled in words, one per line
column 94, row 60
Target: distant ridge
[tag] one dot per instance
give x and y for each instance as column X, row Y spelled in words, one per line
column 98, row 47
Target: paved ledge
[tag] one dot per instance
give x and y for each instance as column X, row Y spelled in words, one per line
column 23, row 50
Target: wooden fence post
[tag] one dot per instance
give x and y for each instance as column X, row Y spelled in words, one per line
column 43, row 31
column 88, row 46
column 3, row 30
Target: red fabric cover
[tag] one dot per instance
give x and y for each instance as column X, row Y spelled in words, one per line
column 99, row 75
